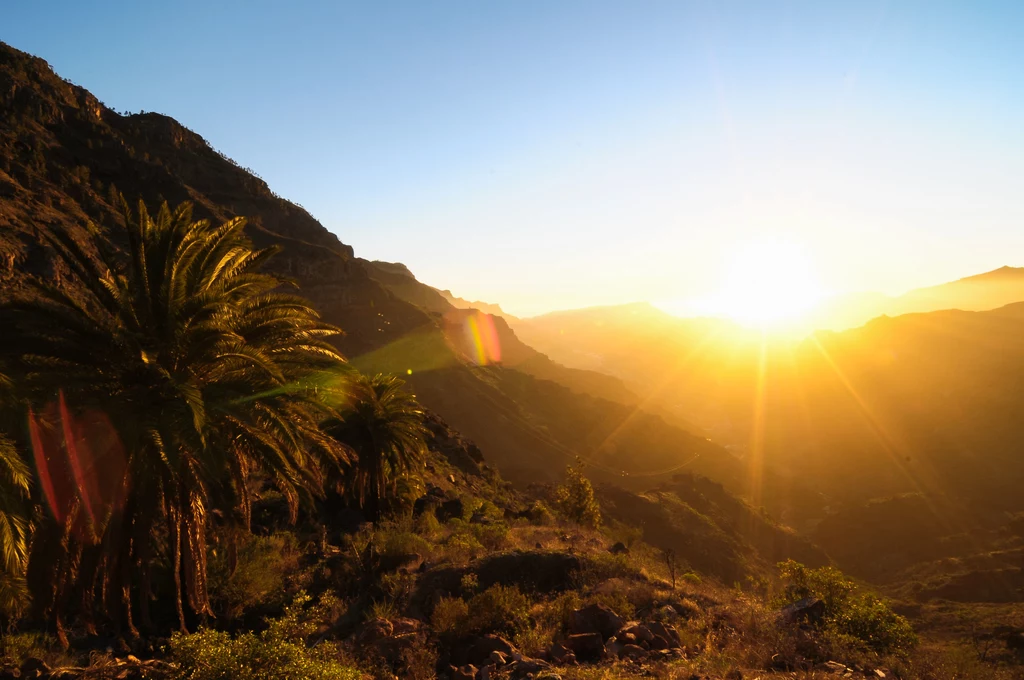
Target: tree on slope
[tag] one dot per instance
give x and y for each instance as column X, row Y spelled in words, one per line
column 204, row 374
column 383, row 424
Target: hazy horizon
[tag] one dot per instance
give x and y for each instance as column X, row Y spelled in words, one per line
column 578, row 154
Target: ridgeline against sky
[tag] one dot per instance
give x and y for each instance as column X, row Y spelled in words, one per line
column 615, row 153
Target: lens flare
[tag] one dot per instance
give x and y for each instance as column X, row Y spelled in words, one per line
column 81, row 463
column 484, row 342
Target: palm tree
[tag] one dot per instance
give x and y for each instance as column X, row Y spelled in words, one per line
column 383, row 424
column 160, row 383
column 14, row 526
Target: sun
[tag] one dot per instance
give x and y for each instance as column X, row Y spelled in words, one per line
column 766, row 285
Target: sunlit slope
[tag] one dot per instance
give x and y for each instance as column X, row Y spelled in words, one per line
column 923, row 402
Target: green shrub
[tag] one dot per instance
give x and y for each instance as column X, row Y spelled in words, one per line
column 427, row 524
column 575, row 499
column 391, row 540
column 278, row 652
column 450, row 616
column 848, row 611
column 491, row 536
column 600, row 567
column 691, row 577
column 499, row 609
column 260, row 576
column 540, row 514
column 462, row 546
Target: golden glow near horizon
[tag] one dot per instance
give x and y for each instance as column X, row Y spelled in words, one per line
column 767, row 285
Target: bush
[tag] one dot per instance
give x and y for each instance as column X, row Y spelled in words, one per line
column 848, row 611
column 278, row 652
column 260, row 577
column 600, row 567
column 491, row 536
column 539, row 514
column 575, row 499
column 499, row 609
column 450, row 617
column 462, row 546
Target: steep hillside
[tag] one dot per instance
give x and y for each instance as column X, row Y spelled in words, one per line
column 65, row 157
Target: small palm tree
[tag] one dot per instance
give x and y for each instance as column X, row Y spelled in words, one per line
column 383, row 424
column 204, row 373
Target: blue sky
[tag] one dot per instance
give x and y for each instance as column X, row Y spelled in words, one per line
column 559, row 154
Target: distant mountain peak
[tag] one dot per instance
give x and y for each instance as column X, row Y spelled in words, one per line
column 1003, row 273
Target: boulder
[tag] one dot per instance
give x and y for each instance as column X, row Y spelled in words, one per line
column 635, row 631
column 634, row 652
column 808, row 610
column 527, row 667
column 668, row 633
column 467, row 672
column 586, row 646
column 619, row 549
column 595, row 618
column 660, row 643
column 34, row 667
column 450, row 509
column 480, row 650
column 429, row 501
column 373, row 631
column 561, row 654
column 403, row 626
column 532, row 570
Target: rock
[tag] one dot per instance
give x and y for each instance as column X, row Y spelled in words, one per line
column 532, row 570
column 636, row 631
column 878, row 673
column 374, row 631
column 660, row 643
column 428, row 502
column 808, row 610
column 619, row 549
column 450, row 509
column 595, row 618
column 561, row 654
column 634, row 652
column 734, row 674
column 467, row 672
column 34, row 667
column 527, row 667
column 669, row 634
column 405, row 626
column 479, row 652
column 586, row 646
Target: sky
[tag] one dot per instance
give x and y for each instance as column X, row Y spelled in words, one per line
column 552, row 154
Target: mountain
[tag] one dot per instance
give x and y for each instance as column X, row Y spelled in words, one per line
column 990, row 290
column 926, row 404
column 486, row 307
column 65, row 157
